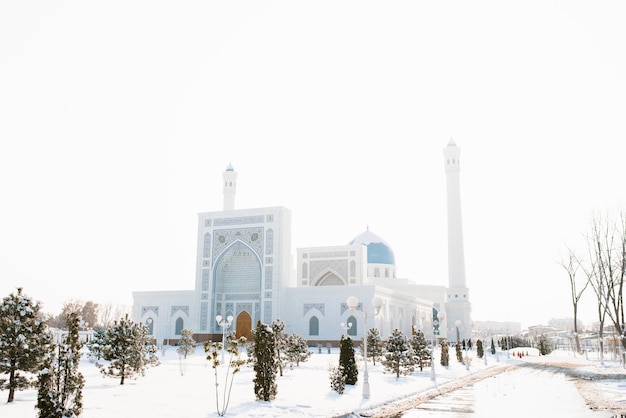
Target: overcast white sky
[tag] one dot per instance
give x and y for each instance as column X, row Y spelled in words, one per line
column 117, row 120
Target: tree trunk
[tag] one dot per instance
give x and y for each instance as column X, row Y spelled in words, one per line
column 11, row 386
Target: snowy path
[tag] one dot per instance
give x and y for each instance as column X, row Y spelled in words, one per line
column 516, row 391
column 519, row 392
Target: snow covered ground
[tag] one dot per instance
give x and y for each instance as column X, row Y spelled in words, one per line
column 305, row 391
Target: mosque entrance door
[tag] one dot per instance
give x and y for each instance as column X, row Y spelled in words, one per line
column 244, row 326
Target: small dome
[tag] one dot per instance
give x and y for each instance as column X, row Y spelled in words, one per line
column 378, row 251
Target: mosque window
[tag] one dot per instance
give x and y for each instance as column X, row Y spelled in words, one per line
column 150, row 326
column 353, row 327
column 179, row 326
column 352, row 268
column 314, row 326
column 386, row 272
column 376, row 272
column 305, row 271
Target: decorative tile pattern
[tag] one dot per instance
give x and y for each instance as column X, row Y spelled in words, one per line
column 146, row 309
column 308, row 306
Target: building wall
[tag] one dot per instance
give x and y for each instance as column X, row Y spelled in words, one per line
column 162, row 311
column 243, row 265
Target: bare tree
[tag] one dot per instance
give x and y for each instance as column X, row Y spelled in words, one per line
column 89, row 314
column 110, row 313
column 571, row 266
column 72, row 306
column 607, row 252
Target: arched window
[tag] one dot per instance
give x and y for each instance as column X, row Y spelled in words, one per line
column 353, row 327
column 150, row 325
column 179, row 326
column 314, row 326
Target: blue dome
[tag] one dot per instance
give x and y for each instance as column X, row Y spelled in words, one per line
column 378, row 251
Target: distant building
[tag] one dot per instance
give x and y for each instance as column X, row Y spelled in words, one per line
column 244, row 271
column 487, row 328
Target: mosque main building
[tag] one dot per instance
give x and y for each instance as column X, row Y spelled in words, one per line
column 244, row 272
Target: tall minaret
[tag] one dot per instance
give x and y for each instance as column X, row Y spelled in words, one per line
column 457, row 301
column 230, row 187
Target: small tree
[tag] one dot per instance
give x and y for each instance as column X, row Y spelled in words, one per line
column 493, row 347
column 60, row 384
column 399, row 354
column 234, row 366
column 459, row 354
column 479, row 349
column 337, row 379
column 420, row 348
column 375, row 345
column 96, row 344
column 544, row 345
column 445, row 355
column 24, row 342
column 346, row 360
column 128, row 349
column 186, row 345
column 264, row 359
column 296, row 349
column 280, row 344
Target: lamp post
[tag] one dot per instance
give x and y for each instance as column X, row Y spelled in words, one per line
column 225, row 324
column 345, row 327
column 352, row 303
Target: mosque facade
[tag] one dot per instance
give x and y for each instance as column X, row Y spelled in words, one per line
column 244, row 274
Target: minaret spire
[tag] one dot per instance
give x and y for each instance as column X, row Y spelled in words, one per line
column 457, row 303
column 230, row 187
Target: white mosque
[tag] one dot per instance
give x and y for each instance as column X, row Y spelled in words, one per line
column 245, row 274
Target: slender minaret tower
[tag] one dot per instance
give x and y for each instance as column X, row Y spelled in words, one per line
column 457, row 301
column 230, row 187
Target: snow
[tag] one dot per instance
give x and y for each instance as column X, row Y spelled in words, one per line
column 305, row 391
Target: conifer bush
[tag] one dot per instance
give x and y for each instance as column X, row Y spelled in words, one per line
column 445, row 355
column 25, row 342
column 128, row 350
column 479, row 349
column 399, row 356
column 375, row 345
column 296, row 350
column 420, row 349
column 459, row 353
column 337, row 379
column 60, row 384
column 347, row 361
column 264, row 360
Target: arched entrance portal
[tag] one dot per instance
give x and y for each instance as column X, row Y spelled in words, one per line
column 244, row 326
